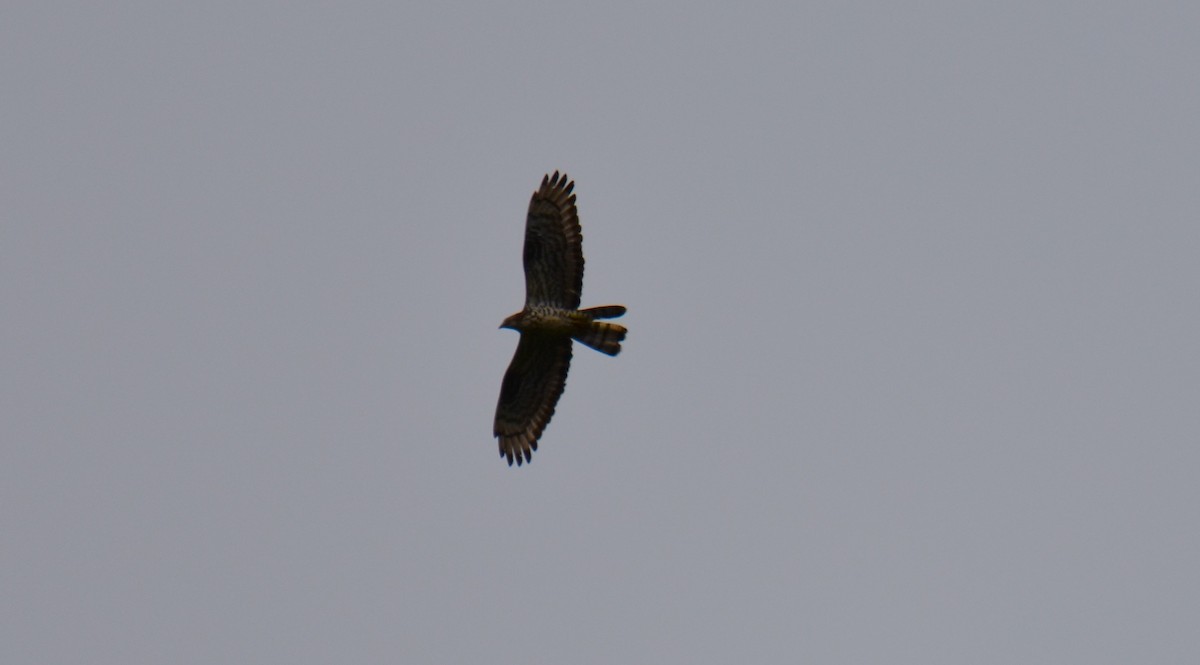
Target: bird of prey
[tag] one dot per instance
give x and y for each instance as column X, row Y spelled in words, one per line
column 551, row 319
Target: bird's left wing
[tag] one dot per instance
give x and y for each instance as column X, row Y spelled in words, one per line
column 553, row 246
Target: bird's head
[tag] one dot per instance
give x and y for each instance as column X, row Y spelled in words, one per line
column 513, row 322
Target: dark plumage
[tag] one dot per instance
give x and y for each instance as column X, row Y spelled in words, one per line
column 537, row 375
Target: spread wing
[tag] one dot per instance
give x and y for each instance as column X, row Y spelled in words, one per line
column 553, row 246
column 532, row 385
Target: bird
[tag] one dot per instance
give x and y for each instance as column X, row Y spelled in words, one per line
column 550, row 320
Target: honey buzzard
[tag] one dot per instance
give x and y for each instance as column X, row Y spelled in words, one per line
column 551, row 319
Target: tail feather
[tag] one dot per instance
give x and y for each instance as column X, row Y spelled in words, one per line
column 603, row 337
column 604, row 311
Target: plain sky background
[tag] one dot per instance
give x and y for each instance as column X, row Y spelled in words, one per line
column 912, row 373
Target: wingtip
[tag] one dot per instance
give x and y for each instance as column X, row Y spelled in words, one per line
column 558, row 179
column 519, row 450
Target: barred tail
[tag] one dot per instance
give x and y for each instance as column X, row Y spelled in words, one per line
column 604, row 311
column 603, row 337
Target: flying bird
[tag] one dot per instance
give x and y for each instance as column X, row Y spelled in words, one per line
column 537, row 375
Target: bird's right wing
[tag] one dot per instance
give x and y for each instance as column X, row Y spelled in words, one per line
column 532, row 385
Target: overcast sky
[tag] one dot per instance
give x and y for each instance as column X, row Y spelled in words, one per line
column 912, row 373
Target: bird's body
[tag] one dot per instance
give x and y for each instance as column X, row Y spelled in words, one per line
column 547, row 320
column 537, row 375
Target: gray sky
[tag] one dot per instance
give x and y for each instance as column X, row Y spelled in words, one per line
column 912, row 372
